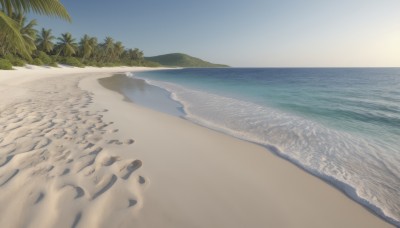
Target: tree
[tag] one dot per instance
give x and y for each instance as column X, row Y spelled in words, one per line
column 132, row 56
column 94, row 44
column 136, row 54
column 28, row 33
column 118, row 49
column 9, row 29
column 44, row 41
column 108, row 46
column 85, row 47
column 66, row 45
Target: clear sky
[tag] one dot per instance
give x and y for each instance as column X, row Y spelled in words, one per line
column 252, row 33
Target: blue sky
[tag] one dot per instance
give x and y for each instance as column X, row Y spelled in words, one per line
column 252, row 33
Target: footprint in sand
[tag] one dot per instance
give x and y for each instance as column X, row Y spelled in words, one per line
column 39, row 198
column 141, row 180
column 113, row 131
column 94, row 152
column 132, row 202
column 42, row 170
column 5, row 160
column 62, row 155
column 89, row 171
column 65, row 172
column 79, row 192
column 114, row 141
column 104, row 185
column 85, row 162
column 76, row 220
column 6, row 177
column 109, row 161
column 128, row 169
column 89, row 145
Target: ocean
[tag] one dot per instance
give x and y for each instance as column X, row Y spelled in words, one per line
column 340, row 124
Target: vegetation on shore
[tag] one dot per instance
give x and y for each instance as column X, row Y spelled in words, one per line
column 21, row 43
column 181, row 60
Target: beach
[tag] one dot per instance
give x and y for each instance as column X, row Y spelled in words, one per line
column 75, row 154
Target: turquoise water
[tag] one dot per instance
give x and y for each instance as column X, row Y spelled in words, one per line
column 342, row 125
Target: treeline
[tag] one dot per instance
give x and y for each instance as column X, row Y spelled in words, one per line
column 43, row 48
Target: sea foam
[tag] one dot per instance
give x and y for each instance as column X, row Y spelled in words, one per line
column 129, row 74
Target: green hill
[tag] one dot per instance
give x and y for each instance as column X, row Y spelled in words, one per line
column 181, row 60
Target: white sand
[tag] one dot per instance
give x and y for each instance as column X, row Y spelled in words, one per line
column 73, row 154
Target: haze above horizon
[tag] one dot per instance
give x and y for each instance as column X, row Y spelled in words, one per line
column 258, row 33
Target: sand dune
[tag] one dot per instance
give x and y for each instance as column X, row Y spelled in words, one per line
column 73, row 154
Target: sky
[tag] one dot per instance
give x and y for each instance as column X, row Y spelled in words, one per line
column 246, row 33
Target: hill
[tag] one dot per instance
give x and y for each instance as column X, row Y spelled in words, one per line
column 181, row 60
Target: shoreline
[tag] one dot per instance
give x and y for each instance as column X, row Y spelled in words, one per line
column 268, row 150
column 114, row 83
column 352, row 190
column 187, row 175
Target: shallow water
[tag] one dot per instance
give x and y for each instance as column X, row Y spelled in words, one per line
column 144, row 94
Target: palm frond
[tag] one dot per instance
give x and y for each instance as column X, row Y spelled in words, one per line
column 44, row 7
column 10, row 34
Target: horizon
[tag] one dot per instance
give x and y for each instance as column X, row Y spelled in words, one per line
column 285, row 34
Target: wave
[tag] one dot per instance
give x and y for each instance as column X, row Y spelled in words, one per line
column 355, row 165
column 130, row 74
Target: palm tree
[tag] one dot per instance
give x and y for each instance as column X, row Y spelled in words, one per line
column 67, row 45
column 44, row 41
column 85, row 47
column 108, row 46
column 118, row 49
column 9, row 28
column 135, row 54
column 28, row 33
column 95, row 48
column 93, row 42
column 132, row 56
